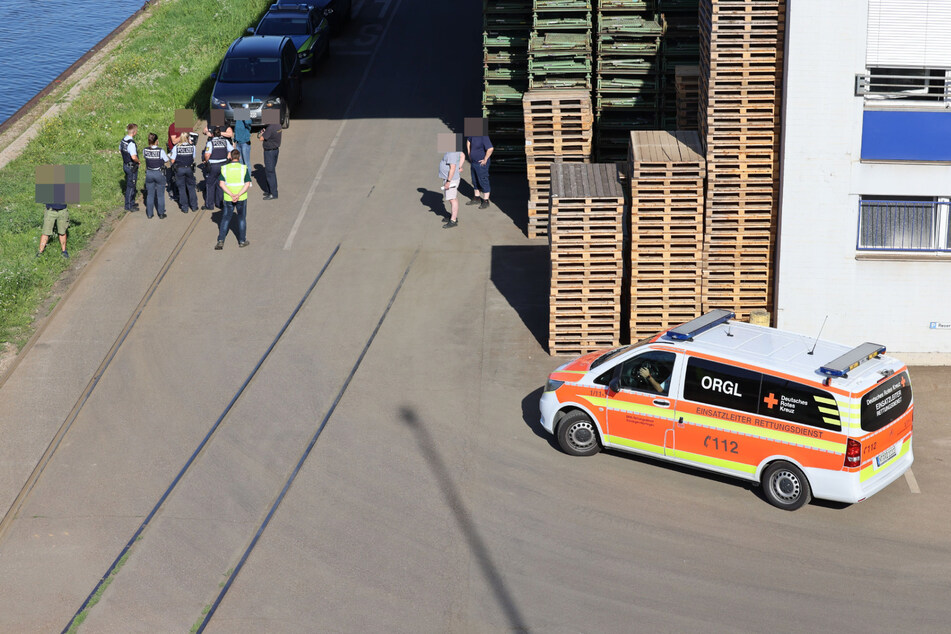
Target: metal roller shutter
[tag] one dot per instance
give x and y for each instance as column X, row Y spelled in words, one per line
column 909, row 34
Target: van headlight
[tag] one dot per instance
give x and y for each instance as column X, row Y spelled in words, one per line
column 553, row 385
column 273, row 101
column 217, row 103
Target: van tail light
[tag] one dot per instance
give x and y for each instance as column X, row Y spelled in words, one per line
column 853, row 453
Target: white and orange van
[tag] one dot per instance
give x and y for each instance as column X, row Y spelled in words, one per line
column 803, row 417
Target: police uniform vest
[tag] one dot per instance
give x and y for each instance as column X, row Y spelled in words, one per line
column 219, row 150
column 184, row 155
column 124, row 149
column 153, row 158
column 234, row 178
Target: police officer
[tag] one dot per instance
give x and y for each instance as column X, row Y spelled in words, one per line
column 130, row 165
column 183, row 160
column 155, row 160
column 216, row 153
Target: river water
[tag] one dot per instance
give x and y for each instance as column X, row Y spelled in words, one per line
column 39, row 39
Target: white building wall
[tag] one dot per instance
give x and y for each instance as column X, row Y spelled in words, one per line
column 819, row 271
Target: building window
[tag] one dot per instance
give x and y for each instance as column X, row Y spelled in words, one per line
column 903, row 85
column 904, row 224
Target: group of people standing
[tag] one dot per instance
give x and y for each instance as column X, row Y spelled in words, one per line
column 479, row 150
column 226, row 167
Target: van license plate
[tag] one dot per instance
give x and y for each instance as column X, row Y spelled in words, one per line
column 885, row 456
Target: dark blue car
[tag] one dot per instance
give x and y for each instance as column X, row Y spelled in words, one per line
column 304, row 25
column 258, row 73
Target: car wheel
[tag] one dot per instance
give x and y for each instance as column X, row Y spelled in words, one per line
column 287, row 118
column 577, row 435
column 785, row 486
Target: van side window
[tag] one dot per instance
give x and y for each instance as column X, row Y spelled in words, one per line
column 722, row 385
column 798, row 403
column 647, row 372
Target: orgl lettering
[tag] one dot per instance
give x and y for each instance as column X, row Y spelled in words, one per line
column 719, row 385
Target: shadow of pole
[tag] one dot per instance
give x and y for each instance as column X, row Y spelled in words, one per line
column 464, row 520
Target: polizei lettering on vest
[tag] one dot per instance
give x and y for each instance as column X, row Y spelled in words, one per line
column 719, row 385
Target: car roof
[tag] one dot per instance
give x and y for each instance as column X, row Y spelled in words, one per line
column 252, row 45
column 783, row 352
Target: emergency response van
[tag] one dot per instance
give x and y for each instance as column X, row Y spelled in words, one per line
column 801, row 416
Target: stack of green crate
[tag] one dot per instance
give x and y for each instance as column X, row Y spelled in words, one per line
column 507, row 24
column 680, row 46
column 628, row 74
column 559, row 51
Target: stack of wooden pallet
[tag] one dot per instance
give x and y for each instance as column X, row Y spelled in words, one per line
column 680, row 46
column 740, row 92
column 587, row 227
column 667, row 171
column 627, row 83
column 558, row 127
column 688, row 96
column 507, row 24
column 559, row 51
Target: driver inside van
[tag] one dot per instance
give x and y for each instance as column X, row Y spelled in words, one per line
column 645, row 373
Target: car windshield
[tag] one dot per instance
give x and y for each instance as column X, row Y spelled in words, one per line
column 282, row 26
column 251, row 69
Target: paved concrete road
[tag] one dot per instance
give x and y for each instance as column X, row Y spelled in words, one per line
column 432, row 500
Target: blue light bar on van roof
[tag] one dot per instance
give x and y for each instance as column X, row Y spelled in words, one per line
column 852, row 359
column 687, row 331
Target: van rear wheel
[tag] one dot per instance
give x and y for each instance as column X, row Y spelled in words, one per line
column 577, row 435
column 785, row 486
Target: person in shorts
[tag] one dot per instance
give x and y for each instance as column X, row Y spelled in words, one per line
column 56, row 215
column 450, row 170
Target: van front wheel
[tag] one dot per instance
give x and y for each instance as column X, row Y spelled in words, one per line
column 577, row 435
column 785, row 486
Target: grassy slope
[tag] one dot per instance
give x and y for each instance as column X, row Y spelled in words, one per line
column 162, row 65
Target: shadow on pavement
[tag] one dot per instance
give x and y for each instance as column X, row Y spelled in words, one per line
column 433, row 200
column 464, row 520
column 521, row 274
column 532, row 417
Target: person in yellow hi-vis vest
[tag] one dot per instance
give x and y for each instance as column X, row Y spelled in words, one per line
column 235, row 181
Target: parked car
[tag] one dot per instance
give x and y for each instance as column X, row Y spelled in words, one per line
column 260, row 72
column 304, row 24
column 337, row 12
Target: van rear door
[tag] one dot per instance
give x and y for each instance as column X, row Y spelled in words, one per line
column 886, row 412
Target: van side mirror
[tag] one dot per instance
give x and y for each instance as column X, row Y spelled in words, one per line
column 214, row 75
column 614, row 385
column 250, row 30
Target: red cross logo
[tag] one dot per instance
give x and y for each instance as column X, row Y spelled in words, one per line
column 770, row 400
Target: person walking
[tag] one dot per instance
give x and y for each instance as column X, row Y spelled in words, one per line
column 130, row 165
column 271, row 142
column 234, row 181
column 242, row 139
column 183, row 165
column 216, row 154
column 450, row 170
column 479, row 149
column 56, row 215
column 155, row 160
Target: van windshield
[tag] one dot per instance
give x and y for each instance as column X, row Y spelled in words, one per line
column 886, row 402
column 250, row 70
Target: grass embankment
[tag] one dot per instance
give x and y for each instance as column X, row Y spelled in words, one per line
column 162, row 65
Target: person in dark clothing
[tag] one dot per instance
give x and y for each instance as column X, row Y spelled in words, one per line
column 479, row 149
column 130, row 165
column 183, row 165
column 155, row 161
column 271, row 142
column 216, row 154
